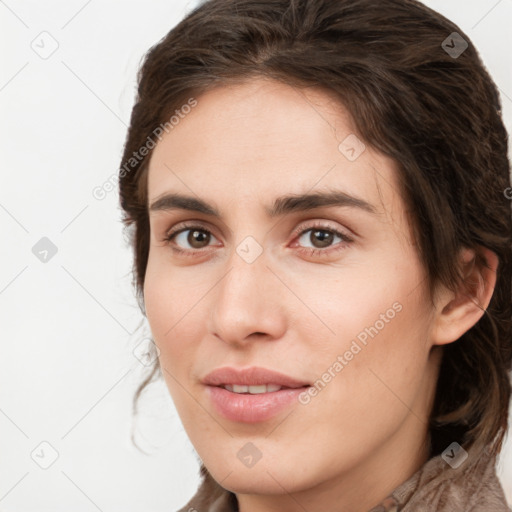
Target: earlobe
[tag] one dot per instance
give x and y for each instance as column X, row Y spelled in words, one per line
column 457, row 312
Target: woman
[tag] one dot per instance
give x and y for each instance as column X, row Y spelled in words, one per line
column 322, row 241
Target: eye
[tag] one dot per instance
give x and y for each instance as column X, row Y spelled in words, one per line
column 197, row 238
column 322, row 237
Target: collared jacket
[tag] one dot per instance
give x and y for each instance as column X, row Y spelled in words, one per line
column 435, row 487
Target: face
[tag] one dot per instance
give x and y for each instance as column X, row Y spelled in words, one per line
column 329, row 292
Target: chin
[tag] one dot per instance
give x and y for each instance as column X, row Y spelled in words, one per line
column 267, row 477
column 253, row 481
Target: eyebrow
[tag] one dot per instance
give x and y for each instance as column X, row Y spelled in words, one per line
column 282, row 205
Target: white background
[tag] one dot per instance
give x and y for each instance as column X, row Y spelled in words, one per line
column 67, row 371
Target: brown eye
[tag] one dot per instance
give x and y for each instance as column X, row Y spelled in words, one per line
column 197, row 238
column 319, row 238
column 191, row 238
column 323, row 237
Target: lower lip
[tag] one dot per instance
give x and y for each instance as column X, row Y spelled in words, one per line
column 249, row 408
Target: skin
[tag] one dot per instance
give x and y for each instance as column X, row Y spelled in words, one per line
column 365, row 432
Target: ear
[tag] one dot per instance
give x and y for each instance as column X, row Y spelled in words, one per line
column 456, row 312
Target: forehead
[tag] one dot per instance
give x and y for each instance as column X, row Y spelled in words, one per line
column 244, row 144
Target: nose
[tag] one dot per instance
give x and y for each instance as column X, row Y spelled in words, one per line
column 248, row 304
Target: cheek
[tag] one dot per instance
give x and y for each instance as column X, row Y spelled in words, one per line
column 385, row 379
column 169, row 303
column 362, row 304
column 176, row 329
column 377, row 347
column 166, row 294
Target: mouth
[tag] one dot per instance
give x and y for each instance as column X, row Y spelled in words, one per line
column 255, row 390
column 252, row 395
column 252, row 380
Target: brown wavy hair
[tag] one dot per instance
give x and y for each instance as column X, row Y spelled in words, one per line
column 438, row 115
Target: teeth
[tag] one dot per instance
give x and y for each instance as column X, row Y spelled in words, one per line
column 253, row 390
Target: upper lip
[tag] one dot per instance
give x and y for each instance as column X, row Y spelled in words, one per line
column 253, row 376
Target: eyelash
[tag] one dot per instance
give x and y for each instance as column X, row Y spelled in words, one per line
column 167, row 240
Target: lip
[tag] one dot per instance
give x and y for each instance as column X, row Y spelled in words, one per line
column 247, row 408
column 253, row 376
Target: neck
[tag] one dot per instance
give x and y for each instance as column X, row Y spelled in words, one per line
column 362, row 487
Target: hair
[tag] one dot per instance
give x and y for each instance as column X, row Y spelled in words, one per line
column 436, row 114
